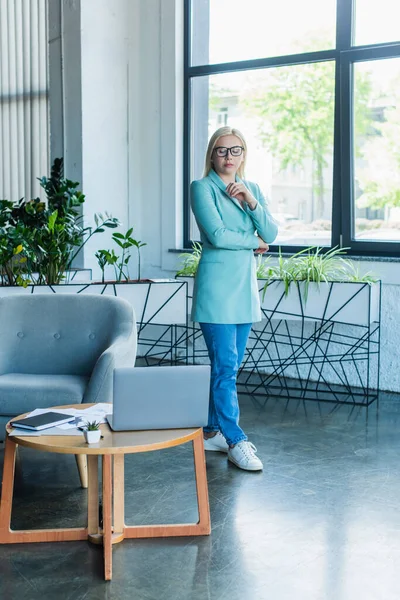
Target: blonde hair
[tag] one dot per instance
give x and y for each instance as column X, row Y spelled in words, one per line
column 213, row 142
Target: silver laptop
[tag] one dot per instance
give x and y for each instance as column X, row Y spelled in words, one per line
column 160, row 397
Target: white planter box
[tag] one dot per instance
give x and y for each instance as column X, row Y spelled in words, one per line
column 156, row 302
column 343, row 302
column 347, row 302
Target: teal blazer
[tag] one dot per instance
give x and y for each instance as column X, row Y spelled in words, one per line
column 225, row 287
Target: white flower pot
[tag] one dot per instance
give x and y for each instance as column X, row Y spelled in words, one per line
column 92, row 437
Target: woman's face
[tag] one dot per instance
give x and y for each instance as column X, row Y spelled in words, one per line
column 227, row 166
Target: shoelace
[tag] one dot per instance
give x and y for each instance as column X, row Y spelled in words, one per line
column 248, row 449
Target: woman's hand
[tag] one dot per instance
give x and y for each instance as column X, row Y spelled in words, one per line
column 262, row 246
column 240, row 192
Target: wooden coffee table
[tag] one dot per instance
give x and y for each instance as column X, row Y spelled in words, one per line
column 112, row 449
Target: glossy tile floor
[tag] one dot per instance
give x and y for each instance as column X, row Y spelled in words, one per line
column 321, row 522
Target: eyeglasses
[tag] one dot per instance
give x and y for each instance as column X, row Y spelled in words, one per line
column 222, row 151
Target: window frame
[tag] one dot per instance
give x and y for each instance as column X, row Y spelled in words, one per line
column 344, row 55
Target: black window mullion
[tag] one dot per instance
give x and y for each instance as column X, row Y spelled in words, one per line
column 263, row 63
column 345, row 10
column 340, row 204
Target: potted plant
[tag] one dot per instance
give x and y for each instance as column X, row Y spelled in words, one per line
column 310, row 285
column 313, row 285
column 40, row 241
column 92, row 432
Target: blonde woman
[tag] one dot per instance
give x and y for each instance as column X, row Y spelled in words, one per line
column 234, row 222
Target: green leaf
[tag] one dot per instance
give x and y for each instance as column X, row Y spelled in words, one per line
column 52, row 220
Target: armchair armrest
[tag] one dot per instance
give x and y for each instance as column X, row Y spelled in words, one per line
column 122, row 353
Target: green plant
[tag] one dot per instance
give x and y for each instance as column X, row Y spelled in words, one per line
column 62, row 236
column 39, row 241
column 124, row 242
column 120, row 263
column 353, row 274
column 313, row 265
column 13, row 252
column 139, row 245
column 92, row 426
column 102, row 261
column 263, row 267
column 107, row 257
column 190, row 261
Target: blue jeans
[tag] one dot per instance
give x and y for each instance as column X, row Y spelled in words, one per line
column 226, row 345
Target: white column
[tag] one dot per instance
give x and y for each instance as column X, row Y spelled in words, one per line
column 104, row 48
column 95, row 96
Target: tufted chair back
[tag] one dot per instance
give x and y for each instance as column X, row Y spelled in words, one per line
column 61, row 334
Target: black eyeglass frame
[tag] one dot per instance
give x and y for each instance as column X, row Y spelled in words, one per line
column 227, row 151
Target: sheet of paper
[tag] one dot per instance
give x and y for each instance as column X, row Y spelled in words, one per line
column 59, row 431
column 24, row 432
column 71, row 425
column 98, row 413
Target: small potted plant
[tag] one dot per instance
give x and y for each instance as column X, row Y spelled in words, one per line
column 92, row 432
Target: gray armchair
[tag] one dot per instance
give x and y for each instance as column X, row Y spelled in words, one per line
column 61, row 349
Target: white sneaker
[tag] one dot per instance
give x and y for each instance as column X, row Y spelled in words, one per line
column 243, row 456
column 217, row 443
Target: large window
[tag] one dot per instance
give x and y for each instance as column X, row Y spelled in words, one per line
column 315, row 88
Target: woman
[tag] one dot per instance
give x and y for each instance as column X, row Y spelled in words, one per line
column 234, row 222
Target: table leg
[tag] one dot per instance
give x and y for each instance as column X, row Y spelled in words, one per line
column 204, row 521
column 7, row 489
column 7, row 535
column 93, row 496
column 119, row 494
column 107, row 517
column 203, row 526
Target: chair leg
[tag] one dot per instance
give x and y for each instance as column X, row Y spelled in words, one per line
column 81, row 462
